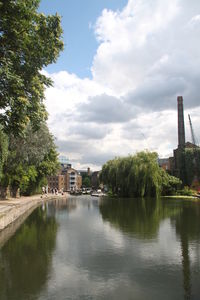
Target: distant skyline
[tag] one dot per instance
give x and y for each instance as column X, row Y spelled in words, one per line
column 116, row 82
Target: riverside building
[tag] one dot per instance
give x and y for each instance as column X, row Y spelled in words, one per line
column 177, row 164
column 68, row 179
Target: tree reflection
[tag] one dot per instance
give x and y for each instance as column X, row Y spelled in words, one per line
column 26, row 258
column 188, row 228
column 142, row 217
column 139, row 217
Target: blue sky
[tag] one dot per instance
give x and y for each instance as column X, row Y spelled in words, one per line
column 79, row 38
column 118, row 96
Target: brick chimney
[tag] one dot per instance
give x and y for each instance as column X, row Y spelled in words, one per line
column 181, row 126
column 88, row 171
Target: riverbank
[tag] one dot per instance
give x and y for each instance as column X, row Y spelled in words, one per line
column 14, row 208
column 182, row 197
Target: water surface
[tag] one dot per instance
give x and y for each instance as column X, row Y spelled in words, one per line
column 86, row 248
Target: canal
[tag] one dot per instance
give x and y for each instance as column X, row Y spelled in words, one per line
column 87, row 248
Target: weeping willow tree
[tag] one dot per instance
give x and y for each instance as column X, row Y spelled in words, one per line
column 138, row 176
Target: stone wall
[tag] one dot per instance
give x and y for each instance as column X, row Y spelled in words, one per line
column 12, row 209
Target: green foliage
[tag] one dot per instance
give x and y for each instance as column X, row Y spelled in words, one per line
column 29, row 41
column 137, row 176
column 192, row 164
column 23, row 176
column 3, row 149
column 186, row 191
column 188, row 161
column 86, row 182
column 31, row 158
column 170, row 184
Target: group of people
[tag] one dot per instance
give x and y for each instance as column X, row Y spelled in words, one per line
column 53, row 191
column 44, row 190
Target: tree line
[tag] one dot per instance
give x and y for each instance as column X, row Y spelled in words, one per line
column 138, row 175
column 29, row 41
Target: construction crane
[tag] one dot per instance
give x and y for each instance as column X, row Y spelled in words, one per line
column 192, row 133
column 196, row 156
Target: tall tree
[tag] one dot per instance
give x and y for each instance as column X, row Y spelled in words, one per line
column 29, row 41
column 86, row 182
column 3, row 149
column 30, row 159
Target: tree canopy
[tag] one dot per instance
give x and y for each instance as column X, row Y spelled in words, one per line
column 3, row 149
column 30, row 159
column 29, row 41
column 138, row 176
column 86, row 181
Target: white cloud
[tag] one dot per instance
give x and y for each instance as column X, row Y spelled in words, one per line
column 195, row 20
column 131, row 42
column 106, row 109
column 148, row 54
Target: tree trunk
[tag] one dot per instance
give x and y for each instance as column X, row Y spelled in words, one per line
column 4, row 192
column 15, row 192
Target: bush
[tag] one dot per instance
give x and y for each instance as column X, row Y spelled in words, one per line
column 186, row 191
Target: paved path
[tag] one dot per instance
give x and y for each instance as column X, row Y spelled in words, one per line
column 13, row 208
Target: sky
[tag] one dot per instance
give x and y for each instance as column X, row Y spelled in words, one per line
column 116, row 82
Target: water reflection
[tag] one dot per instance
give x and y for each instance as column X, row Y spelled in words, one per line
column 26, row 258
column 60, row 205
column 188, row 229
column 83, row 248
column 142, row 217
column 139, row 217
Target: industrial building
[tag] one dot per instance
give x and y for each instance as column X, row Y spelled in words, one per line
column 177, row 165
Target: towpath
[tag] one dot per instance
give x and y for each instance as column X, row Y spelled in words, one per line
column 13, row 208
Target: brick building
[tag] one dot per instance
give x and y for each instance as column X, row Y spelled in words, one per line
column 177, row 163
column 68, row 179
column 57, row 181
column 164, row 163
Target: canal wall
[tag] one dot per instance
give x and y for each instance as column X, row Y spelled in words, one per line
column 9, row 230
column 12, row 209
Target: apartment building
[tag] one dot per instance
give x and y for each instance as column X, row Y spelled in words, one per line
column 69, row 179
column 57, row 181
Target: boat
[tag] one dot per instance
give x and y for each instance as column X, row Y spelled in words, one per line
column 75, row 192
column 98, row 194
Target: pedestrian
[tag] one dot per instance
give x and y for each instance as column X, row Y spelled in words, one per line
column 43, row 190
